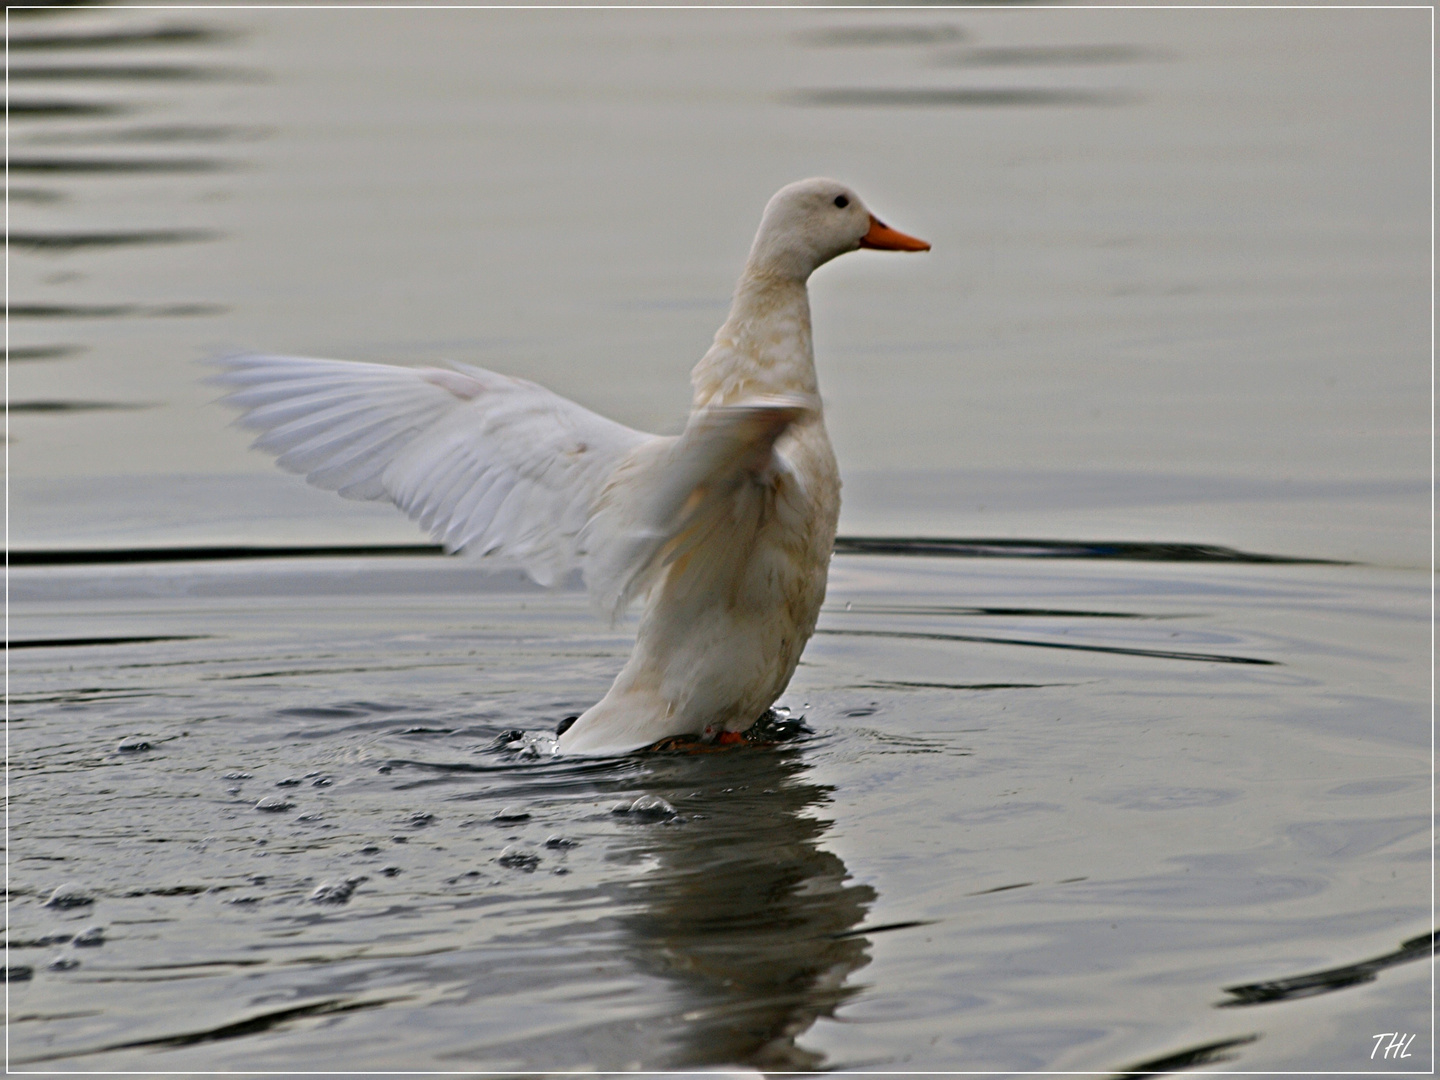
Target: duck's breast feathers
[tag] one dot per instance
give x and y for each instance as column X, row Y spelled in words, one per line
column 696, row 499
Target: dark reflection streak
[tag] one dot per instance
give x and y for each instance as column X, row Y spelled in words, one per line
column 88, row 556
column 70, row 311
column 86, row 696
column 1010, row 548
column 1329, row 980
column 35, row 195
column 941, row 609
column 1207, row 1054
column 56, row 242
column 1162, row 654
column 341, row 712
column 113, row 165
column 844, row 545
column 121, row 72
column 73, row 406
column 1002, row 888
column 252, row 1026
column 45, row 352
column 155, row 133
column 165, row 35
column 110, row 311
column 198, row 963
column 881, row 684
column 57, row 109
column 43, row 1017
column 73, row 643
column 290, row 673
column 882, row 928
column 964, row 96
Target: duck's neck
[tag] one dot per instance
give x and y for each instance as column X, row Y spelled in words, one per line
column 764, row 346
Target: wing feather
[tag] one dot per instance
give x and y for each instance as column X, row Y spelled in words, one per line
column 479, row 459
column 502, row 467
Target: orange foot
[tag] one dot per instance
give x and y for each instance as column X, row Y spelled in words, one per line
column 767, row 731
column 694, row 744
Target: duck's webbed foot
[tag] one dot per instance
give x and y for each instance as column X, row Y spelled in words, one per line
column 773, row 727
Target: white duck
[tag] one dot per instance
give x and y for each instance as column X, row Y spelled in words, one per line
column 726, row 529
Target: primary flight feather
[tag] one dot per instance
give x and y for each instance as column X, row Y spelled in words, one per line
column 725, row 529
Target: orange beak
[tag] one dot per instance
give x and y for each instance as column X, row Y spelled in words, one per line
column 884, row 238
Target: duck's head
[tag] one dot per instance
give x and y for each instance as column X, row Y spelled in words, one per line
column 809, row 222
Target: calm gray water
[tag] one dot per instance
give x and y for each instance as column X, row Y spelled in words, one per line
column 1079, row 814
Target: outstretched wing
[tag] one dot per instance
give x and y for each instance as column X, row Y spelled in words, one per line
column 484, row 462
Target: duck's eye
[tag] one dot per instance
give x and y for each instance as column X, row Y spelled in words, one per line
column 841, row 201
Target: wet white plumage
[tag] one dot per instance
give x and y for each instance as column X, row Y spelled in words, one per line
column 725, row 529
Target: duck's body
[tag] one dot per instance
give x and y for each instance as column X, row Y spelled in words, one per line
column 726, row 529
column 719, row 640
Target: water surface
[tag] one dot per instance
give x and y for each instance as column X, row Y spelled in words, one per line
column 1049, row 813
column 1090, row 812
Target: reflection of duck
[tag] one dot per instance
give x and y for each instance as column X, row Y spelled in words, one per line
column 743, row 913
column 727, row 527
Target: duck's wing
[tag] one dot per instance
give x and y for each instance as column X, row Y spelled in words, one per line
column 692, row 504
column 484, row 462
